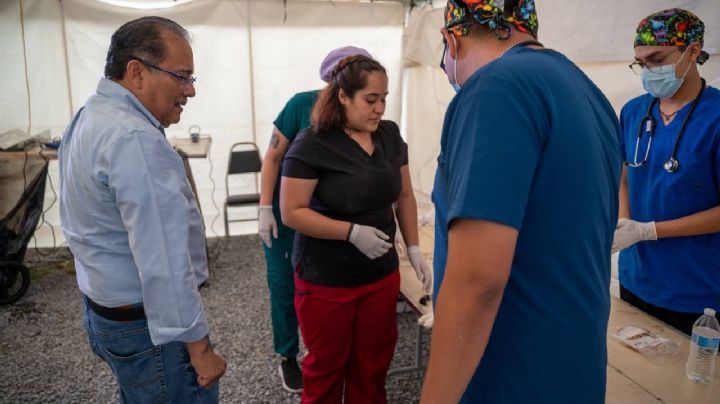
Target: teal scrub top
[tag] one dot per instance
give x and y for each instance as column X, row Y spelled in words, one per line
column 293, row 118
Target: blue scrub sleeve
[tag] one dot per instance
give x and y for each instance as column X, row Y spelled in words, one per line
column 623, row 129
column 492, row 160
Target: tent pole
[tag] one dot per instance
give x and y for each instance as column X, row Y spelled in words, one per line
column 27, row 78
column 252, row 76
column 67, row 62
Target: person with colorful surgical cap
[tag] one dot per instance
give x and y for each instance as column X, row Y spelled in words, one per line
column 526, row 203
column 669, row 226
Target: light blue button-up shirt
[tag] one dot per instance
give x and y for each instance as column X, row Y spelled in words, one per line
column 130, row 217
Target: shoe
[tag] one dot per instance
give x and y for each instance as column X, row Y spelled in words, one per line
column 290, row 375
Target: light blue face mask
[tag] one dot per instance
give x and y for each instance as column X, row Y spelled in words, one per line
column 450, row 67
column 663, row 82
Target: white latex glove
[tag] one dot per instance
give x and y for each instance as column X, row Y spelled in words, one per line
column 370, row 241
column 427, row 320
column 399, row 243
column 629, row 232
column 422, row 269
column 267, row 225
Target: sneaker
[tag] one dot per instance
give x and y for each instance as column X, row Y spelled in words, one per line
column 290, row 375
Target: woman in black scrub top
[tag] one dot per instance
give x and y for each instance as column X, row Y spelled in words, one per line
column 340, row 179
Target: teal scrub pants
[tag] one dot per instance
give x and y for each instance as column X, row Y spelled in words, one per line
column 281, row 281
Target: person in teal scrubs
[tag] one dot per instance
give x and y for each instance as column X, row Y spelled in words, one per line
column 278, row 238
column 669, row 227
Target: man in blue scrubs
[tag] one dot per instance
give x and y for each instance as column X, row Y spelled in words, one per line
column 669, row 227
column 524, row 193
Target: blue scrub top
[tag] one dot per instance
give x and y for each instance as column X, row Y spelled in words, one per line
column 537, row 149
column 681, row 273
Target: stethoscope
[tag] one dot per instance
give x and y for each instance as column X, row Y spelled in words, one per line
column 647, row 125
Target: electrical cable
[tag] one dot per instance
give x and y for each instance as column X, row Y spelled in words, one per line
column 42, row 222
column 219, row 245
column 42, row 216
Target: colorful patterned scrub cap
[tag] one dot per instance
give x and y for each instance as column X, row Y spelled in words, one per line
column 460, row 14
column 673, row 27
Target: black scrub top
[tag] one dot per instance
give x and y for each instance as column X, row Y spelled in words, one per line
column 352, row 186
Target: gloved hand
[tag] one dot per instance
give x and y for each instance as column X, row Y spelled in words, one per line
column 399, row 243
column 422, row 269
column 629, row 232
column 427, row 320
column 369, row 240
column 267, row 225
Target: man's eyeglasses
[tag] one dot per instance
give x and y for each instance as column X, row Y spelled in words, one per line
column 184, row 79
column 653, row 64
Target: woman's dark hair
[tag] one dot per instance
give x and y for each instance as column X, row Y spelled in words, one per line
column 141, row 38
column 350, row 75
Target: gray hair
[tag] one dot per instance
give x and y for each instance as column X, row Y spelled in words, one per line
column 141, row 38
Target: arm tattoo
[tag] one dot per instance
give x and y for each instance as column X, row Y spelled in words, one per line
column 275, row 141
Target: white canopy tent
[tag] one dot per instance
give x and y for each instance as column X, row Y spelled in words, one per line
column 252, row 55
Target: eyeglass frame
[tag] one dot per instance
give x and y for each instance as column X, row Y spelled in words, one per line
column 185, row 80
column 654, row 69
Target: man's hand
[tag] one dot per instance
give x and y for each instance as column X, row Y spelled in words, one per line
column 208, row 365
column 267, row 225
column 422, row 269
column 629, row 232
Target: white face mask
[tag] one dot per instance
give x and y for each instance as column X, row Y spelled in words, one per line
column 662, row 82
column 451, row 67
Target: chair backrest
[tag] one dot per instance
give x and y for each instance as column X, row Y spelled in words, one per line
column 244, row 161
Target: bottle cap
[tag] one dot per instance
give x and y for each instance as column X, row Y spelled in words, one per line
column 709, row 311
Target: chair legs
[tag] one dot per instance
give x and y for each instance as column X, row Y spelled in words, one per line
column 227, row 221
column 225, row 218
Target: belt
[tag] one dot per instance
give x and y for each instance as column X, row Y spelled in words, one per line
column 116, row 313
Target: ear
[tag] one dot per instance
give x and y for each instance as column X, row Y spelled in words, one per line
column 452, row 43
column 135, row 74
column 694, row 51
column 343, row 98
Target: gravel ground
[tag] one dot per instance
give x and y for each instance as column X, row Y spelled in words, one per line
column 45, row 358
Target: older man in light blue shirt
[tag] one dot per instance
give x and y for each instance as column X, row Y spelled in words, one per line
column 133, row 224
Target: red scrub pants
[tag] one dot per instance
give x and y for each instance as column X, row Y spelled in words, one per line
column 350, row 334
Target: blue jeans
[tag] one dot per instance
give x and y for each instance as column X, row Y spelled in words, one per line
column 144, row 372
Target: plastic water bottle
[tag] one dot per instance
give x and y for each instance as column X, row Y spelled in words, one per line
column 703, row 348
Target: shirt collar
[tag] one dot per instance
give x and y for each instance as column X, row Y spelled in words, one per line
column 115, row 90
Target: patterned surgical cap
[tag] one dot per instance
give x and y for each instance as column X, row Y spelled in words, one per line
column 460, row 14
column 673, row 27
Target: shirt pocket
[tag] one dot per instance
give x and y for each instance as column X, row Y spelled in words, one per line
column 695, row 176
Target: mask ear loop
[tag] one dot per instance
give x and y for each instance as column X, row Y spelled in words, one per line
column 686, row 72
column 457, row 58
